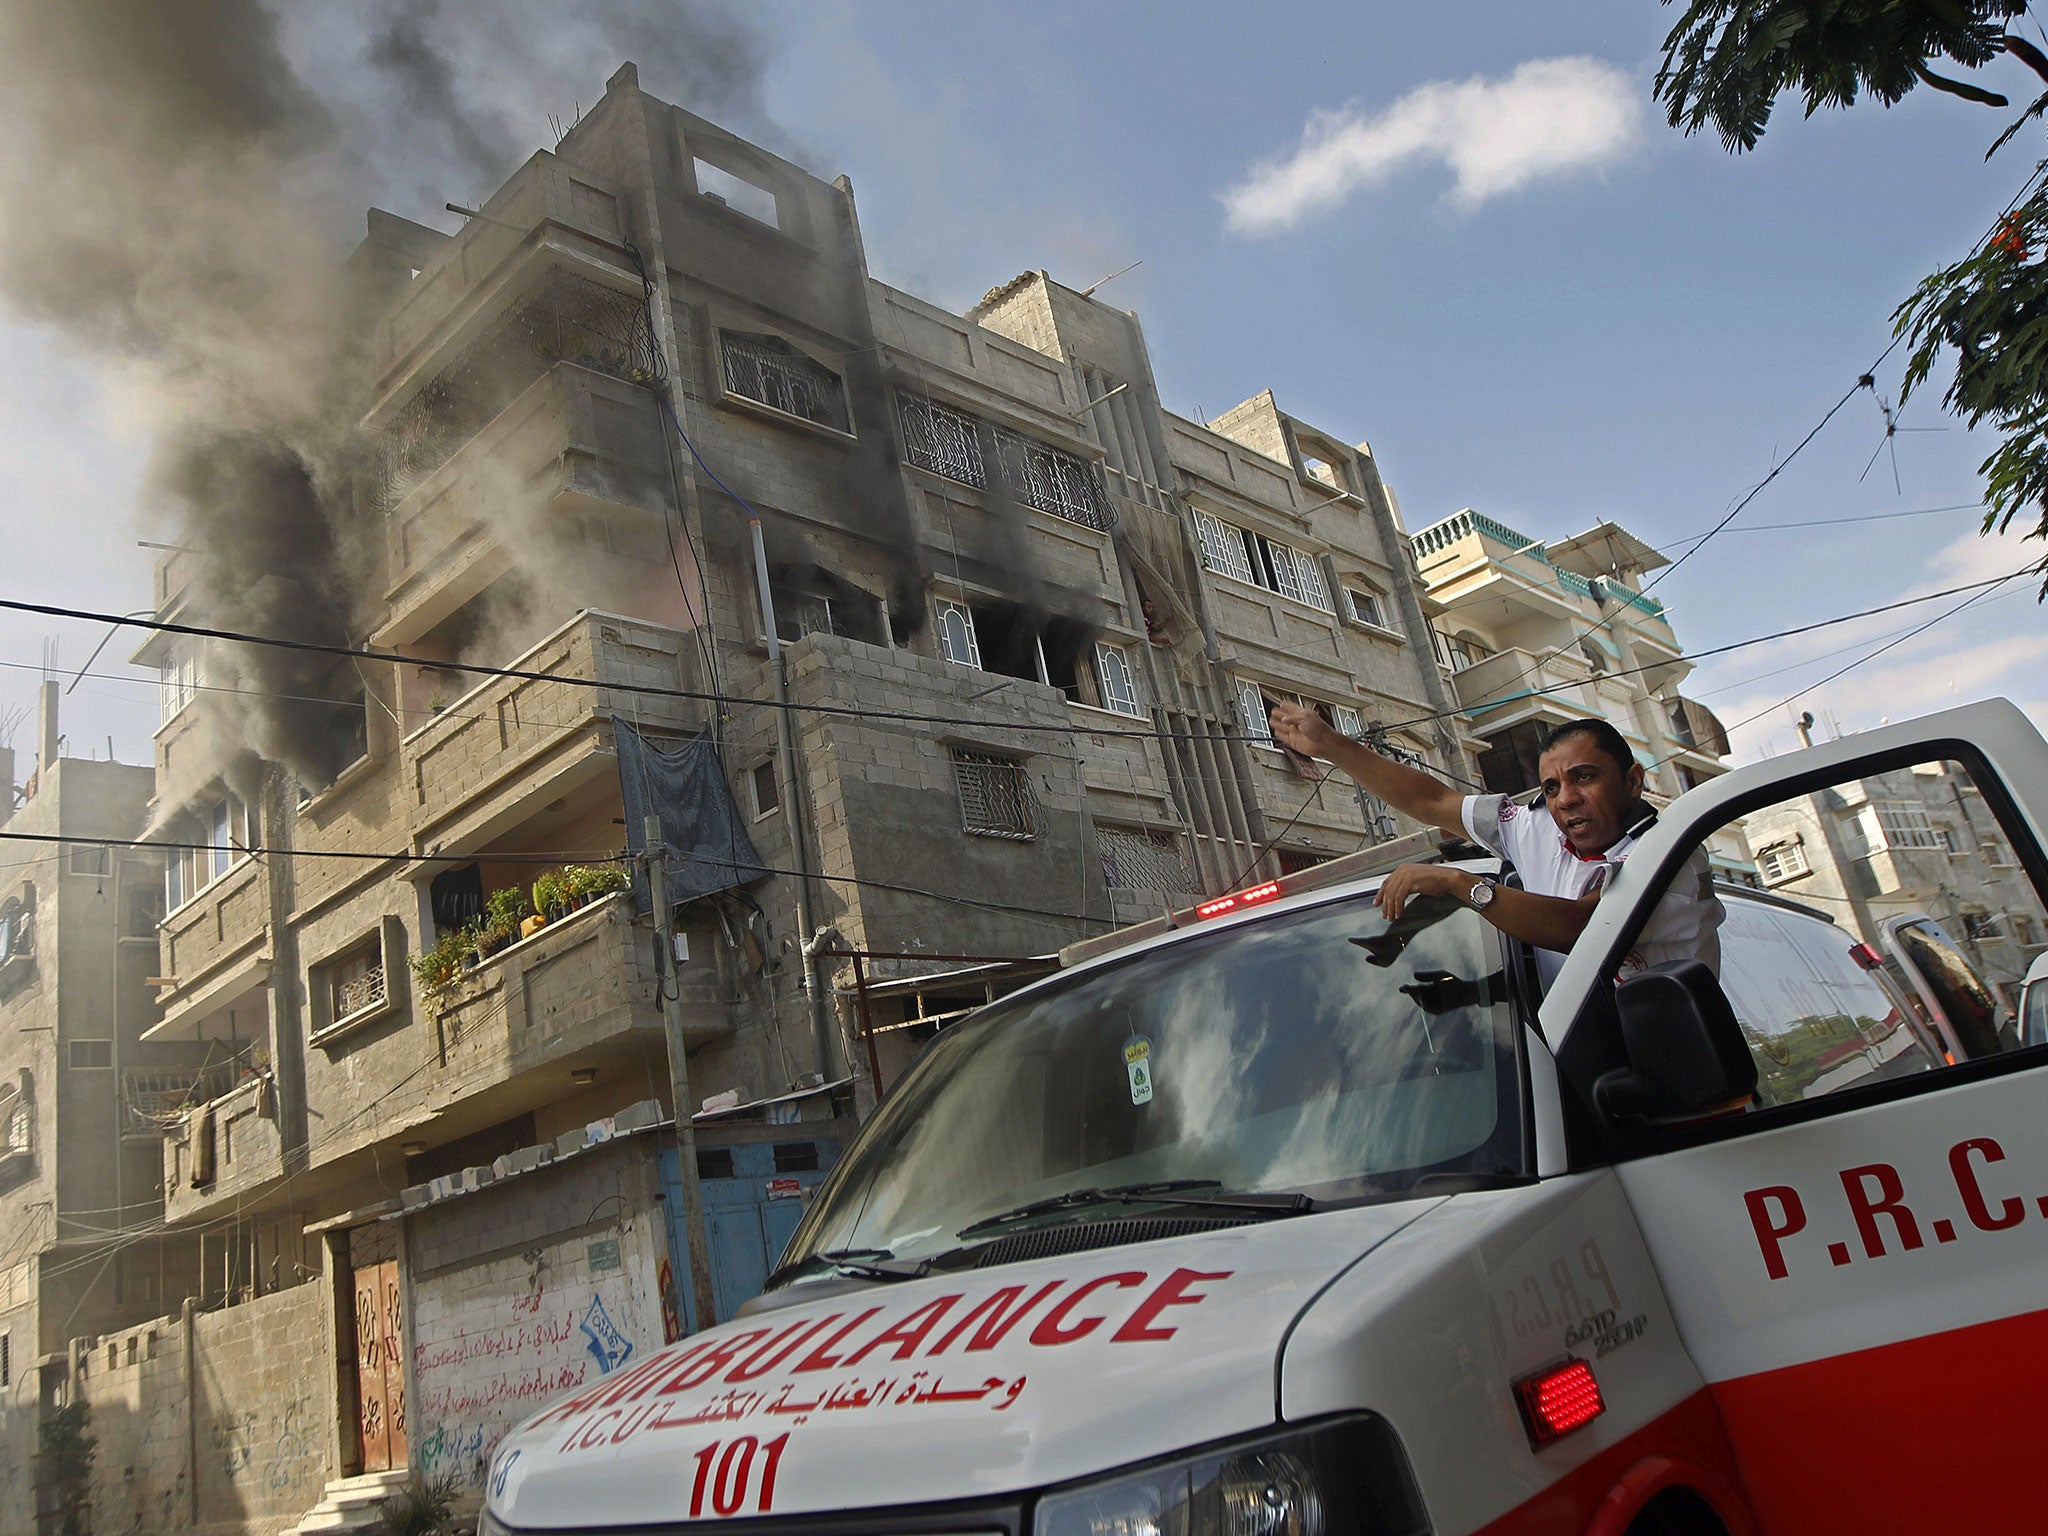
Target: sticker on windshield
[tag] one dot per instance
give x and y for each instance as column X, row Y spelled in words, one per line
column 1138, row 1065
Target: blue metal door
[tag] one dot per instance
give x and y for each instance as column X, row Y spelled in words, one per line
column 753, row 1198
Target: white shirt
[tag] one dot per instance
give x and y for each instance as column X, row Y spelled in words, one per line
column 1683, row 927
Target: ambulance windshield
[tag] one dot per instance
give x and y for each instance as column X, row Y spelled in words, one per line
column 1318, row 1050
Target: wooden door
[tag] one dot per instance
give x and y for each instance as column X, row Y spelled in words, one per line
column 380, row 1367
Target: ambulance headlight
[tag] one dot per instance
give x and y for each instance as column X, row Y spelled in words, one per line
column 1344, row 1477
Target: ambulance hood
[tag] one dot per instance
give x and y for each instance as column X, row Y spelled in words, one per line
column 971, row 1386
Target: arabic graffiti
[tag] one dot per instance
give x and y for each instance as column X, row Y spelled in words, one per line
column 474, row 1383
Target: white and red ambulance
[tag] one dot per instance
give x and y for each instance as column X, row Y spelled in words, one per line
column 1280, row 1220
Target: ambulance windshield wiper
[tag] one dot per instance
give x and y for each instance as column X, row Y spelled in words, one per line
column 1162, row 1192
column 858, row 1262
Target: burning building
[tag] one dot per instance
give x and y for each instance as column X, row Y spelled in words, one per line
column 643, row 469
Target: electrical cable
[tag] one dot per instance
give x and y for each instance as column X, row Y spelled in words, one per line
column 905, row 716
column 1985, row 590
column 2035, row 176
column 612, row 857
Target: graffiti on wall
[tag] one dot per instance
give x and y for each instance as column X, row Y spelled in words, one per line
column 474, row 1385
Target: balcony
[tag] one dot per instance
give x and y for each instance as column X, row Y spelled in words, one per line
column 576, row 441
column 545, row 211
column 480, row 766
column 1515, row 685
column 214, row 951
column 222, row 1151
column 580, row 992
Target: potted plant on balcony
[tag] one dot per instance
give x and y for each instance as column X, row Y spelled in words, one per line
column 593, row 882
column 440, row 962
column 551, row 895
column 504, row 911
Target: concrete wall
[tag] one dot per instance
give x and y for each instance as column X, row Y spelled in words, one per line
column 216, row 1421
column 523, row 1291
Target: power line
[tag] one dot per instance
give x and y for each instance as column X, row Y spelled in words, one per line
column 1984, row 590
column 608, row 857
column 905, row 716
column 1738, row 645
column 1779, row 467
column 1833, row 522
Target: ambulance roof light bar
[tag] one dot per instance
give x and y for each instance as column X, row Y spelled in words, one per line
column 1250, row 896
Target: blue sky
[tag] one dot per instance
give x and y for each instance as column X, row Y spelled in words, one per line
column 1531, row 295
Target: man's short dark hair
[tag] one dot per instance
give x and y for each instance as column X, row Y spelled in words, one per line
column 1605, row 737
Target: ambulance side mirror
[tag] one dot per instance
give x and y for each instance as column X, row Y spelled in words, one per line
column 1687, row 1057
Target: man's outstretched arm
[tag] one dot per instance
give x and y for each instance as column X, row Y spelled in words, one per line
column 1407, row 790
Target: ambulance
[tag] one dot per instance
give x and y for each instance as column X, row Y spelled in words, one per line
column 1273, row 1218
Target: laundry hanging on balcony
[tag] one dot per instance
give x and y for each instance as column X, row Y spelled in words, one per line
column 685, row 786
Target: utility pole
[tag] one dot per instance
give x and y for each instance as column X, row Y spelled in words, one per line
column 679, row 1078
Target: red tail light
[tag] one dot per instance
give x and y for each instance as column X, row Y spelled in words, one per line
column 1250, row 897
column 1866, row 957
column 1557, row 1400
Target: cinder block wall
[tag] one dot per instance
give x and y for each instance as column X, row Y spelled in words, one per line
column 248, row 1421
column 523, row 1291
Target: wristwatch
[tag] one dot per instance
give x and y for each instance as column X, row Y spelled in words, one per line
column 1480, row 897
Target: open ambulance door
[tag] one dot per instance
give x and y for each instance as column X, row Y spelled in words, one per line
column 1852, row 1228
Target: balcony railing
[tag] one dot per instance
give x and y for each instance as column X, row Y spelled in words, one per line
column 223, row 1149
column 1518, row 680
column 582, row 986
column 516, row 740
column 212, row 931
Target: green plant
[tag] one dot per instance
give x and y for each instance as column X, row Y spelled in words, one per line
column 594, row 880
column 422, row 1507
column 439, row 963
column 68, row 1447
column 551, row 891
column 506, row 909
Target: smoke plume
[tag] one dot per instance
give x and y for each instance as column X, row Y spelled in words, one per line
column 176, row 199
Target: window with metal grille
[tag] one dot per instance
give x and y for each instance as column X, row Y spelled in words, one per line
column 1252, row 557
column 1051, row 480
column 957, row 641
column 945, row 441
column 1787, row 861
column 1114, row 683
column 1253, row 713
column 17, row 1123
column 1905, row 825
column 356, row 983
column 1223, row 548
column 796, row 1156
column 769, row 370
column 1142, row 859
column 995, row 794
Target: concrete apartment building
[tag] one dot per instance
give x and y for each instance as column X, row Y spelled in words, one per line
column 83, row 1096
column 981, row 639
column 1535, row 634
column 1914, row 841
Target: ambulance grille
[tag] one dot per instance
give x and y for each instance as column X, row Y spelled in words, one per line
column 1079, row 1236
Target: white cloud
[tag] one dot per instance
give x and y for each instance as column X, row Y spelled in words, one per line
column 1548, row 118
